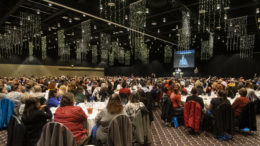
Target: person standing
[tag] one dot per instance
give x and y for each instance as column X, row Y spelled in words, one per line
column 196, row 71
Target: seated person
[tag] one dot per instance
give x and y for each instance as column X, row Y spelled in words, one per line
column 184, row 91
column 195, row 97
column 240, row 102
column 215, row 102
column 176, row 100
column 103, row 119
column 53, row 100
column 124, row 89
column 133, row 105
column 73, row 117
column 34, row 118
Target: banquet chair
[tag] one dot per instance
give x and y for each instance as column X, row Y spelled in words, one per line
column 56, row 134
column 192, row 116
column 247, row 118
column 223, row 122
column 141, row 127
column 120, row 131
column 6, row 112
column 167, row 110
column 16, row 132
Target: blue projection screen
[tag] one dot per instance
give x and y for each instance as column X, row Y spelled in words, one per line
column 184, row 59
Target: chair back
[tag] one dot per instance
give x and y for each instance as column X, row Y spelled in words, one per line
column 224, row 119
column 16, row 132
column 120, row 131
column 6, row 112
column 56, row 134
column 141, row 127
column 192, row 115
column 247, row 118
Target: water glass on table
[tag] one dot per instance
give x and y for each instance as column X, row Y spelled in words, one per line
column 89, row 106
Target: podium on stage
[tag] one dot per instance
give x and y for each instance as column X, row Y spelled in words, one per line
column 178, row 73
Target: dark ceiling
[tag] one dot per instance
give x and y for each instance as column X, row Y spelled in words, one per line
column 159, row 9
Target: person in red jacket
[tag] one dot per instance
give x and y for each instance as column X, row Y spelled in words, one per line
column 240, row 102
column 124, row 89
column 176, row 99
column 73, row 117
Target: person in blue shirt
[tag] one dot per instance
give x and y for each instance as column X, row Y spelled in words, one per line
column 53, row 100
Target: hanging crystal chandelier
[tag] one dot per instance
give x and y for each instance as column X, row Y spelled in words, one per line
column 184, row 33
column 211, row 14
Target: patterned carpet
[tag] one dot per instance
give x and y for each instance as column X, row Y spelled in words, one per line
column 169, row 136
column 3, row 137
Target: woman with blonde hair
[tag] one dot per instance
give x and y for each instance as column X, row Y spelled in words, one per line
column 62, row 90
column 113, row 109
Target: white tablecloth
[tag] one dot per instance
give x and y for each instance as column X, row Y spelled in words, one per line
column 91, row 117
column 207, row 99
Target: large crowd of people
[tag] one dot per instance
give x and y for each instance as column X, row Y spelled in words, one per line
column 33, row 98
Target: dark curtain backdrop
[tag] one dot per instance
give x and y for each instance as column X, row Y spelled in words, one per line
column 219, row 65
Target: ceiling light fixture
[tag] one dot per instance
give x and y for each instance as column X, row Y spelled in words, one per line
column 126, row 17
column 111, row 4
column 76, row 18
column 38, row 11
column 139, row 12
column 188, row 14
column 159, row 31
column 257, row 10
column 164, row 20
column 154, row 23
column 70, row 20
column 65, row 17
column 50, row 4
column 147, row 11
column 218, row 6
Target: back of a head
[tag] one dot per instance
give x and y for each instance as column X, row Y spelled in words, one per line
column 52, row 93
column 30, row 106
column 135, row 98
column 14, row 86
column 114, row 105
column 124, row 84
column 222, row 94
column 194, row 91
column 62, row 89
column 67, row 100
column 242, row 92
column 37, row 88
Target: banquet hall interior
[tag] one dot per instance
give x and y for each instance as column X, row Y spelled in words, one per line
column 129, row 72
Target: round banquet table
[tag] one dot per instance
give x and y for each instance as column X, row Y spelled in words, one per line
column 207, row 99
